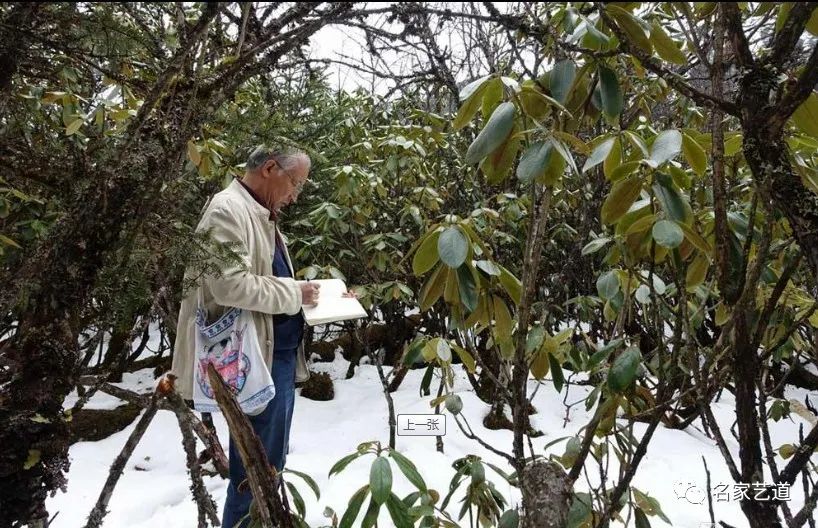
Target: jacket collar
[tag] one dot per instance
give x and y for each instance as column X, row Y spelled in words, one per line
column 251, row 202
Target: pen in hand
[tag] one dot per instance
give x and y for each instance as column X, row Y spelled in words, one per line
column 309, row 293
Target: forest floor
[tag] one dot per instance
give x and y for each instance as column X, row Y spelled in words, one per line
column 155, row 489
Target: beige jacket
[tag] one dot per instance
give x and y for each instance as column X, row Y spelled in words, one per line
column 233, row 215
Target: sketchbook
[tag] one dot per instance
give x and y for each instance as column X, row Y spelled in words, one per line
column 332, row 307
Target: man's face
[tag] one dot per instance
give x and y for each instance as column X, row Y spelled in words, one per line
column 286, row 184
column 297, row 178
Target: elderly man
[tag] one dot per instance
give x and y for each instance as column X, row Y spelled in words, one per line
column 245, row 214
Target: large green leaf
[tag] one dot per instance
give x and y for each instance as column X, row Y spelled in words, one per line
column 503, row 323
column 734, row 141
column 626, row 169
column 433, row 288
column 426, row 256
column 599, row 153
column 472, row 87
column 694, row 154
column 640, row 518
column 465, row 357
column 667, row 234
column 556, row 372
column 540, row 364
column 812, row 23
column 614, row 159
column 509, row 519
column 805, row 116
column 478, row 472
column 453, row 247
column 565, row 154
column 497, row 165
column 620, row 199
column 380, row 479
column 648, row 504
column 354, row 507
column 472, row 96
column 607, row 285
column 492, row 96
column 467, row 287
column 579, row 515
column 665, row 147
column 623, row 370
column 534, row 339
column 298, row 500
column 531, row 101
column 371, row 515
column 631, row 26
column 556, row 164
column 511, row 284
column 534, row 161
column 398, row 512
column 562, row 77
column 697, row 271
column 74, row 126
column 610, row 91
column 409, row 470
column 341, row 464
column 595, row 245
column 671, row 199
column 309, row 480
column 493, row 134
column 665, row 46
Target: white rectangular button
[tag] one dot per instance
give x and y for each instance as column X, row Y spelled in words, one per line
column 421, row 425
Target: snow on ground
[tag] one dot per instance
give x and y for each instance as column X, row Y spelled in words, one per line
column 154, row 489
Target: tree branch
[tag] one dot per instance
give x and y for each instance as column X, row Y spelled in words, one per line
column 786, row 39
column 798, row 94
column 800, row 458
column 738, row 40
column 672, row 78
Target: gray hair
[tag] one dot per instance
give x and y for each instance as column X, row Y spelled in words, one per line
column 287, row 157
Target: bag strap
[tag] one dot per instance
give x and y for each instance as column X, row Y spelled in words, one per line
column 200, row 286
column 200, row 303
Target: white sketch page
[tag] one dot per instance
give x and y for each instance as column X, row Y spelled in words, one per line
column 332, row 306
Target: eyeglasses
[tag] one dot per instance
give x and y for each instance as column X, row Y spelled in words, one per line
column 299, row 186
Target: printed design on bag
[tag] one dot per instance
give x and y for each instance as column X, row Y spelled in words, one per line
column 224, row 322
column 230, row 361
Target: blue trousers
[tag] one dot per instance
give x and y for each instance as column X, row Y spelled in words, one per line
column 273, row 429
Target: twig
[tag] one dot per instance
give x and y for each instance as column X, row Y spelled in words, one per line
column 175, row 403
column 709, row 495
column 97, row 515
column 204, row 502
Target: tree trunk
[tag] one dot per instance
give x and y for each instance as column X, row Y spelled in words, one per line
column 261, row 477
column 113, row 360
column 781, row 188
column 45, row 358
column 767, row 155
column 547, row 495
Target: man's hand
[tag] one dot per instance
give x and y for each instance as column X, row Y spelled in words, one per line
column 309, row 293
column 350, row 293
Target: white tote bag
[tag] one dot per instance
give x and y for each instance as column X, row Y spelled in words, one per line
column 230, row 343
